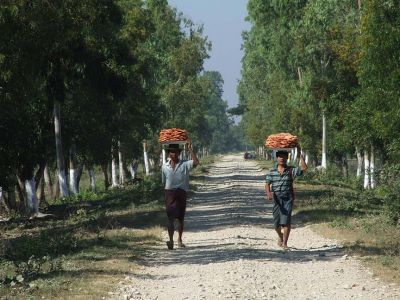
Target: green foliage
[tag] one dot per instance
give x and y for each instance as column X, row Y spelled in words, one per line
column 379, row 73
column 303, row 59
column 389, row 188
column 220, row 134
column 120, row 70
column 35, row 267
column 342, row 202
column 46, row 247
column 45, row 243
column 348, row 197
column 333, row 176
column 150, row 189
column 269, row 68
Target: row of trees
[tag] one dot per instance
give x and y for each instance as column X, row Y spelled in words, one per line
column 328, row 71
column 83, row 83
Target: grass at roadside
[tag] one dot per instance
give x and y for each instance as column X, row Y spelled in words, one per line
column 354, row 217
column 205, row 163
column 89, row 245
column 85, row 250
column 264, row 164
column 357, row 220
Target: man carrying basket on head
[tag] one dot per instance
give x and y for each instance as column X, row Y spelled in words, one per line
column 279, row 188
column 175, row 174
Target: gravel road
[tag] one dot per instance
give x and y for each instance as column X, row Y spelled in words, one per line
column 232, row 251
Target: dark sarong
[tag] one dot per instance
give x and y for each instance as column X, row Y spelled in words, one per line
column 282, row 211
column 175, row 203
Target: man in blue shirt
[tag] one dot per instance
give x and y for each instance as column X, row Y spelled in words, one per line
column 279, row 188
column 175, row 174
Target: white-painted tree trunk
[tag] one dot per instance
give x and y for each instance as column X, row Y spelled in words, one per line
column 366, row 170
column 132, row 171
column 152, row 163
column 372, row 168
column 121, row 166
column 48, row 182
column 31, row 199
column 39, row 194
column 359, row 162
column 62, row 181
column 164, row 156
column 73, row 171
column 73, row 182
column 293, row 155
column 114, row 175
column 274, row 154
column 183, row 153
column 59, row 151
column 133, row 168
column 92, row 179
column 323, row 162
column 146, row 159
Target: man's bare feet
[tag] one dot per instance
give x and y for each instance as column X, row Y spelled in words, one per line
column 170, row 245
column 280, row 239
column 181, row 245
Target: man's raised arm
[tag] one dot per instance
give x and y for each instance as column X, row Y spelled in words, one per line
column 194, row 157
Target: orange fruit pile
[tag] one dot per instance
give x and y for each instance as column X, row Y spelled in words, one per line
column 173, row 134
column 281, row 140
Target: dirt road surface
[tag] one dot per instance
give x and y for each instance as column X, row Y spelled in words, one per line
column 232, row 251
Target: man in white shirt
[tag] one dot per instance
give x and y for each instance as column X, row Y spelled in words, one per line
column 175, row 174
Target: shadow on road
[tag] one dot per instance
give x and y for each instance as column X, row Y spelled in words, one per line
column 203, row 253
column 228, row 201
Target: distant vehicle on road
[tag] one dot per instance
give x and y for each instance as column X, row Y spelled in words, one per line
column 248, row 155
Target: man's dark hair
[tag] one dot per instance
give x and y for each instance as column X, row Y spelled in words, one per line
column 173, row 148
column 282, row 153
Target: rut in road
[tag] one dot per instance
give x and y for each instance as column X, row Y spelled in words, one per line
column 232, row 251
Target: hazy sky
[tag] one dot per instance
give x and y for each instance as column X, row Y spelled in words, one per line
column 224, row 23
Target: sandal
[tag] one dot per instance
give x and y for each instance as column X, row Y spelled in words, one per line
column 170, row 245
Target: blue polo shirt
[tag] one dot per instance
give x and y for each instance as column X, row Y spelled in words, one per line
column 178, row 178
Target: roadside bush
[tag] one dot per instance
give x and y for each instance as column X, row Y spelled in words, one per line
column 84, row 196
column 388, row 181
column 151, row 188
column 21, row 272
column 46, row 243
column 353, row 201
column 332, row 175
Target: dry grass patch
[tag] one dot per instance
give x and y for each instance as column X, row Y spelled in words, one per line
column 95, row 270
column 376, row 248
column 357, row 221
column 84, row 252
column 264, row 164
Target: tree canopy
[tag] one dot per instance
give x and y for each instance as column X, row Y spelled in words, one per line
column 304, row 58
